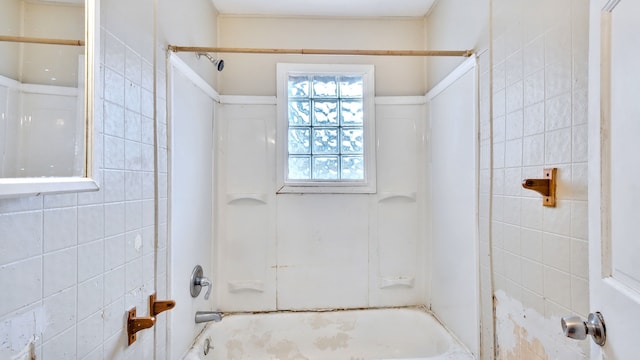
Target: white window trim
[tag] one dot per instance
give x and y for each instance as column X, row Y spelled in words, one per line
column 366, row 186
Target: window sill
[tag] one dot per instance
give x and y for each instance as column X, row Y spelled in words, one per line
column 319, row 188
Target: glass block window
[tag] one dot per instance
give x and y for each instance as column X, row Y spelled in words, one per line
column 326, row 128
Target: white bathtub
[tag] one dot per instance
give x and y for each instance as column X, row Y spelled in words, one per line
column 406, row 333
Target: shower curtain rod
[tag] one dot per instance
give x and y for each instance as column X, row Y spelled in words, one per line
column 466, row 53
column 32, row 40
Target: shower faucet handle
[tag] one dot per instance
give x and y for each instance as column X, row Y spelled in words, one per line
column 198, row 280
column 206, row 282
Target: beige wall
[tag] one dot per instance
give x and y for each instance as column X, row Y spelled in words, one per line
column 62, row 21
column 190, row 23
column 455, row 25
column 10, row 25
column 247, row 74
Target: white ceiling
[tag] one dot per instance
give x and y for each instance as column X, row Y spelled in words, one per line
column 366, row 8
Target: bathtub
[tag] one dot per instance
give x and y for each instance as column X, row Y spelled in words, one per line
column 399, row 333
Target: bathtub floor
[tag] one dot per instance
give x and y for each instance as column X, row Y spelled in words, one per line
column 333, row 335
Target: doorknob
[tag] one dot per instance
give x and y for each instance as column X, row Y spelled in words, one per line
column 574, row 327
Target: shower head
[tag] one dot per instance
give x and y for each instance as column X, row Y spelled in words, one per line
column 218, row 63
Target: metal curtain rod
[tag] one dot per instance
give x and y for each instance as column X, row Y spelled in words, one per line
column 32, row 40
column 465, row 53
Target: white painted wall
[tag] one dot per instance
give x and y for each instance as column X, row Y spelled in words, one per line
column 454, row 200
column 190, row 205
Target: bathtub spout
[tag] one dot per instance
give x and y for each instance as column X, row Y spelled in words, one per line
column 206, row 316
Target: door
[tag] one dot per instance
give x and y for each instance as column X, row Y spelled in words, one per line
column 614, row 174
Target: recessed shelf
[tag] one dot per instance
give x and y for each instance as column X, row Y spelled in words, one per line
column 397, row 281
column 239, row 197
column 387, row 196
column 245, row 285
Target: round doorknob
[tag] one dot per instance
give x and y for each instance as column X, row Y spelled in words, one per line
column 574, row 327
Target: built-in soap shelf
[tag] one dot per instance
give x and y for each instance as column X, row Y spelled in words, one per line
column 396, row 281
column 245, row 285
column 387, row 196
column 241, row 197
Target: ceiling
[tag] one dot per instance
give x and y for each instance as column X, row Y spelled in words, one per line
column 357, row 8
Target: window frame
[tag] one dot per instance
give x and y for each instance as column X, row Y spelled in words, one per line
column 365, row 186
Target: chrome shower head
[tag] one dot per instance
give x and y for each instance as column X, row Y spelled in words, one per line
column 218, row 63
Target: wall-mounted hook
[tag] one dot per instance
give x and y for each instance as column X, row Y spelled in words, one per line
column 157, row 306
column 545, row 186
column 135, row 324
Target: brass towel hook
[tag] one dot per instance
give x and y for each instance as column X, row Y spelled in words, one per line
column 545, row 186
column 135, row 324
column 157, row 306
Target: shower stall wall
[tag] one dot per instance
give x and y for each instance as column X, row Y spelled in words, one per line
column 41, row 130
column 190, row 184
column 279, row 252
column 454, row 178
column 318, row 251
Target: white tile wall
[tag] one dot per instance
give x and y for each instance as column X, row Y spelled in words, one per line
column 59, row 270
column 26, row 239
column 60, row 310
column 90, row 257
column 539, row 254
